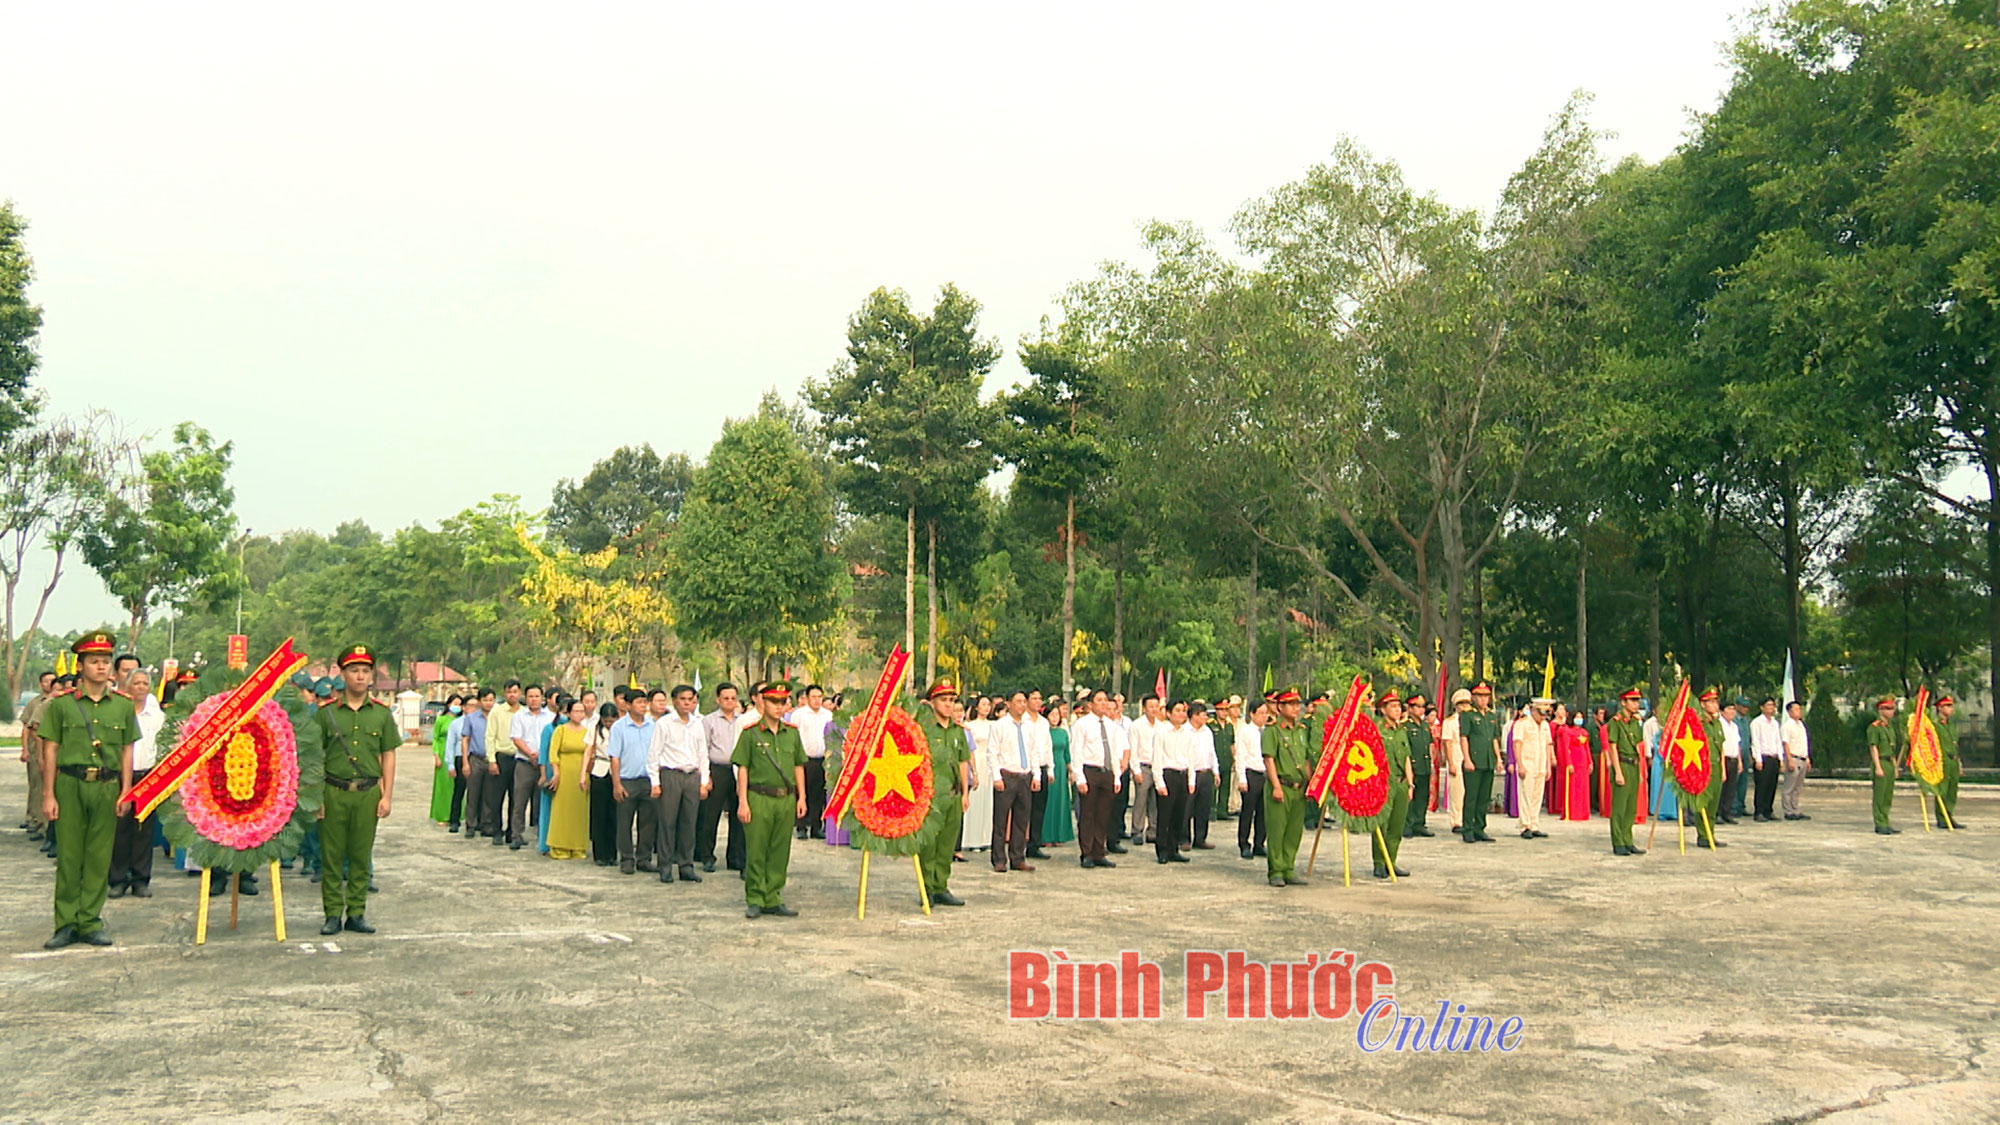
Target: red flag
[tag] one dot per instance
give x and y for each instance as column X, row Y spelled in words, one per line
column 1334, row 741
column 1160, row 685
column 864, row 735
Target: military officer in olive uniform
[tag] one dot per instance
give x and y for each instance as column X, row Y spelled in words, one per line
column 361, row 738
column 1402, row 783
column 950, row 764
column 1418, row 733
column 1709, row 800
column 770, row 764
column 1885, row 757
column 1479, row 755
column 1288, row 766
column 1628, row 745
column 1948, row 749
column 87, row 739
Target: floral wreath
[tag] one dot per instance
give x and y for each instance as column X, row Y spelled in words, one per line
column 251, row 801
column 1361, row 776
column 887, row 821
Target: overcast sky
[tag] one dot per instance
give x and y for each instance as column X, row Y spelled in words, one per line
column 382, row 248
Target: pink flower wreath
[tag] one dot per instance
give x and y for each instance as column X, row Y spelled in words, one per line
column 244, row 794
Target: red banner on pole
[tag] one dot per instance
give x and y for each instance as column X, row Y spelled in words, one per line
column 864, row 737
column 238, row 652
column 196, row 745
column 1337, row 729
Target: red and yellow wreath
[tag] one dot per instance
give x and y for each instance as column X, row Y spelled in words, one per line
column 895, row 794
column 1361, row 775
column 243, row 795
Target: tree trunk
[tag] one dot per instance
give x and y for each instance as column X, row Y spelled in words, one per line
column 1794, row 566
column 1478, row 625
column 1069, row 596
column 1284, row 669
column 931, row 600
column 1653, row 644
column 1992, row 467
column 1118, row 624
column 1250, row 625
column 135, row 627
column 1582, row 622
column 910, row 581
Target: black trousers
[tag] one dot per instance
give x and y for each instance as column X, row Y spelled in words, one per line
column 1121, row 807
column 1038, row 804
column 813, row 823
column 1250, row 822
column 1420, row 795
column 1093, row 813
column 1767, row 783
column 637, row 811
column 680, row 804
column 1202, row 807
column 603, row 821
column 1173, row 818
column 719, row 806
column 457, row 795
column 1011, row 803
column 132, row 847
column 500, row 793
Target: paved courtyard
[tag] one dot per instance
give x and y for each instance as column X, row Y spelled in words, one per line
column 1810, row 970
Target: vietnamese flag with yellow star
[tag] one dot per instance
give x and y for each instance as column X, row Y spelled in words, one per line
column 1684, row 744
column 890, row 812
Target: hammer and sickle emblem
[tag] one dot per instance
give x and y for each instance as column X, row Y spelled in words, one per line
column 1360, row 763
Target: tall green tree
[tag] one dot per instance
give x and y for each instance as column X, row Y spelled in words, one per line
column 165, row 539
column 634, row 492
column 56, row 479
column 906, row 428
column 20, row 323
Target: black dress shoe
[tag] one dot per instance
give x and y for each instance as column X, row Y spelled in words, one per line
column 1105, row 863
column 1086, row 863
column 625, row 867
column 1257, row 851
column 64, row 936
column 359, row 925
column 115, row 890
column 783, row 911
column 1402, row 874
column 1635, row 850
column 1541, row 835
column 1115, row 849
column 1880, row 830
column 1276, row 882
column 142, row 890
column 313, row 877
column 515, row 846
column 1423, row 832
column 1527, row 835
column 752, row 911
column 687, row 874
column 1037, row 853
column 648, row 868
column 1245, row 852
column 946, row 898
column 666, row 875
column 1178, row 859
column 1621, row 850
column 248, row 886
column 331, row 926
column 709, row 866
column 1161, row 860
column 1381, row 873
column 1483, row 838
column 97, row 938
column 1802, row 816
column 454, row 828
column 1468, row 840
column 1294, row 881
column 372, row 888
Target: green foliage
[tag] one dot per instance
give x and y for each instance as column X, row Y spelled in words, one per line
column 166, row 542
column 634, row 494
column 1832, row 737
column 20, row 324
column 1194, row 659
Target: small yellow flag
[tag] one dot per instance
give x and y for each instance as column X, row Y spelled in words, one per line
column 1549, row 676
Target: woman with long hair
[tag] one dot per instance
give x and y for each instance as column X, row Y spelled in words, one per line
column 569, row 804
column 1059, row 815
column 603, row 810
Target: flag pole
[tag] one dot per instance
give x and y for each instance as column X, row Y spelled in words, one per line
column 1314, row 855
column 1346, row 871
column 861, row 905
column 1380, row 843
column 1707, row 828
column 923, row 892
column 1924, row 807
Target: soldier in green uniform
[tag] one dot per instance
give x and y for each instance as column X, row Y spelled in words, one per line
column 770, row 763
column 31, row 753
column 1418, row 733
column 87, row 739
column 361, row 738
column 1288, row 766
column 1885, row 757
column 1227, row 713
column 1479, row 753
column 1709, row 800
column 1627, row 736
column 1948, row 749
column 1396, row 741
column 950, row 763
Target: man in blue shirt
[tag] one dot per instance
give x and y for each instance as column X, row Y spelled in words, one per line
column 482, row 780
column 634, row 787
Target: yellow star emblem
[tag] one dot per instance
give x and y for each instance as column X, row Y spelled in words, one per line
column 1690, row 750
column 891, row 770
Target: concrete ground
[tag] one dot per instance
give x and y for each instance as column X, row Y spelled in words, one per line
column 1810, row 970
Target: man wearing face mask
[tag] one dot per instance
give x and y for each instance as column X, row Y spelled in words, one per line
column 447, row 780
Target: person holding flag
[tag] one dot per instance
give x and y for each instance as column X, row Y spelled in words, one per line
column 1399, row 742
column 1885, row 750
column 1709, row 800
column 1947, row 736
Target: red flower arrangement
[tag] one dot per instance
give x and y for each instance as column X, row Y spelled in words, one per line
column 894, row 797
column 244, row 794
column 1361, row 776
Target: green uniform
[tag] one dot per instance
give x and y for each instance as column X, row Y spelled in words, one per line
column 1418, row 734
column 948, row 751
column 357, row 739
column 768, row 758
column 1290, row 750
column 31, row 717
column 1710, row 797
column 1397, row 744
column 1886, row 739
column 1948, row 748
column 1628, row 742
column 91, row 738
column 1225, row 777
column 1481, row 731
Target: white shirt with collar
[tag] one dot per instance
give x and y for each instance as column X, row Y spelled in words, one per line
column 1011, row 735
column 1249, row 751
column 1145, row 737
column 1095, row 741
column 812, row 728
column 1174, row 749
column 1732, row 739
column 1796, row 742
column 1767, row 737
column 1204, row 749
column 146, row 751
column 679, row 744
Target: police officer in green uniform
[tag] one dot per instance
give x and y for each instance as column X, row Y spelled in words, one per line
column 950, row 766
column 87, row 739
column 1628, row 744
column 361, row 738
column 1402, row 780
column 1709, row 800
column 1418, row 733
column 1479, row 753
column 1885, row 757
column 1288, row 765
column 1948, row 749
column 770, row 764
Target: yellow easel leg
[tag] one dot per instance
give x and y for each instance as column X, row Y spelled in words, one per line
column 861, row 906
column 1944, row 815
column 923, row 892
column 277, row 902
column 1312, row 857
column 1707, row 829
column 1923, row 808
column 1346, row 872
column 201, row 914
column 1380, row 843
column 1681, row 824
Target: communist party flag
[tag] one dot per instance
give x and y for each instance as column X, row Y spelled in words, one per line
column 1684, row 743
column 1926, row 756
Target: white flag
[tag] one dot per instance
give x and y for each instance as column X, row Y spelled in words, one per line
column 1789, row 691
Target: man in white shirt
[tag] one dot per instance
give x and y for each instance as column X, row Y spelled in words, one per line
column 1096, row 763
column 1732, row 761
column 1461, row 702
column 719, row 731
column 524, row 733
column 1534, row 753
column 1019, row 753
column 132, row 840
column 1250, row 778
column 1144, row 735
column 1767, row 749
column 1206, row 766
column 812, row 717
column 1038, row 803
column 679, row 758
column 1173, row 783
column 500, row 752
column 1798, row 758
